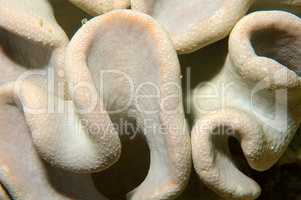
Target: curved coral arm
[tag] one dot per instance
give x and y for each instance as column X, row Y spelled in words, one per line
column 259, row 44
column 254, row 56
column 211, row 156
column 66, row 139
column 33, row 20
column 194, row 24
column 143, row 68
column 19, row 161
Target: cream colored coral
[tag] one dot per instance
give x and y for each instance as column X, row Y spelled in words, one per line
column 194, row 24
column 257, row 101
column 82, row 137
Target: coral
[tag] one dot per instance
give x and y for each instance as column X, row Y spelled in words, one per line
column 250, row 104
column 193, row 25
column 84, row 80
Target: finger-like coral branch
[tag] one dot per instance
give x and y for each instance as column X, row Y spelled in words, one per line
column 212, row 157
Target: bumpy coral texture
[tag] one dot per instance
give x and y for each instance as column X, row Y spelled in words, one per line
column 96, row 97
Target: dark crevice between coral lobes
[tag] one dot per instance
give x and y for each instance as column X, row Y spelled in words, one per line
column 24, row 52
column 6, row 192
column 280, row 45
column 71, row 22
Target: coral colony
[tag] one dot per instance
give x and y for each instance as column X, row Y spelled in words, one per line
column 92, row 97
